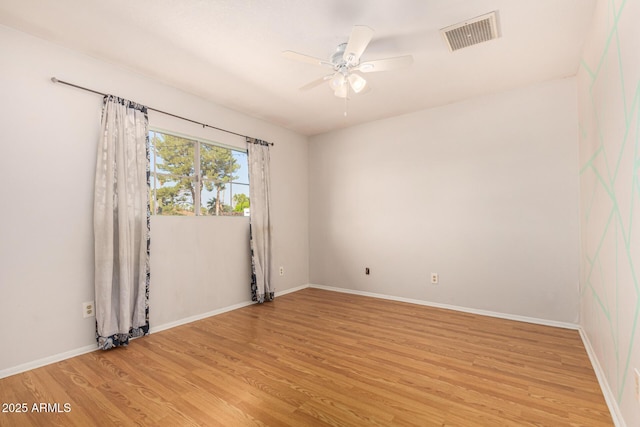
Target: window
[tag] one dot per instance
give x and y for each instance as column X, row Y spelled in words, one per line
column 193, row 177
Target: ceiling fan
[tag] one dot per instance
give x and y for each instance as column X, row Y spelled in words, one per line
column 346, row 65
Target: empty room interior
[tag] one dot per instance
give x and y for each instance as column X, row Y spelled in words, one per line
column 331, row 213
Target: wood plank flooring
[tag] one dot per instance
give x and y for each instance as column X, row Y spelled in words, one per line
column 320, row 358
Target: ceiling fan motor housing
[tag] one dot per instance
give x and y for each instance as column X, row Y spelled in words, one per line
column 338, row 61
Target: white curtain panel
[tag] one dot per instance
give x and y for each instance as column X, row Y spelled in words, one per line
column 121, row 224
column 260, row 221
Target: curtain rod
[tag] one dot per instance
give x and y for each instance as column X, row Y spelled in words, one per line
column 204, row 125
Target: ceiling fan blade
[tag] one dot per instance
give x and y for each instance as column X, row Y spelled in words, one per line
column 316, row 82
column 360, row 37
column 289, row 54
column 385, row 64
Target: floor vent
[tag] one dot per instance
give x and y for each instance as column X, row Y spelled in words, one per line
column 470, row 32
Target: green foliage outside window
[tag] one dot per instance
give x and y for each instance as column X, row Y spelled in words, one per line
column 186, row 173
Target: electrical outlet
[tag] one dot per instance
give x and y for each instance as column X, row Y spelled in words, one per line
column 434, row 278
column 637, row 381
column 282, row 271
column 88, row 309
column 366, row 271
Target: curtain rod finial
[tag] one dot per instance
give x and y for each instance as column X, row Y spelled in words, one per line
column 53, row 79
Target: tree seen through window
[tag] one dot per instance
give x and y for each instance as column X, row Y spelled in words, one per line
column 186, row 173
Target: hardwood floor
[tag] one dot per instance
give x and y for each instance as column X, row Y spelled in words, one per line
column 316, row 358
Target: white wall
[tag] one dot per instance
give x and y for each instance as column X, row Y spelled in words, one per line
column 483, row 192
column 49, row 135
column 609, row 116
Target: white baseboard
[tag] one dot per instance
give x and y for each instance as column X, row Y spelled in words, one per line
column 47, row 360
column 89, row 348
column 534, row 320
column 288, row 291
column 197, row 317
column 184, row 321
column 609, row 397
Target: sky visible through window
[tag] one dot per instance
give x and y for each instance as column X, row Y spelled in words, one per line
column 223, row 187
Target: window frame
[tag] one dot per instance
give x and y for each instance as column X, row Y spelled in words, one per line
column 197, row 177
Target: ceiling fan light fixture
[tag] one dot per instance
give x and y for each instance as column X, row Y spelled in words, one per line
column 341, row 92
column 357, row 82
column 337, row 81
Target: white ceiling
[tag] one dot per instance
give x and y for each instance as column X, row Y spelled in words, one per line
column 229, row 51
